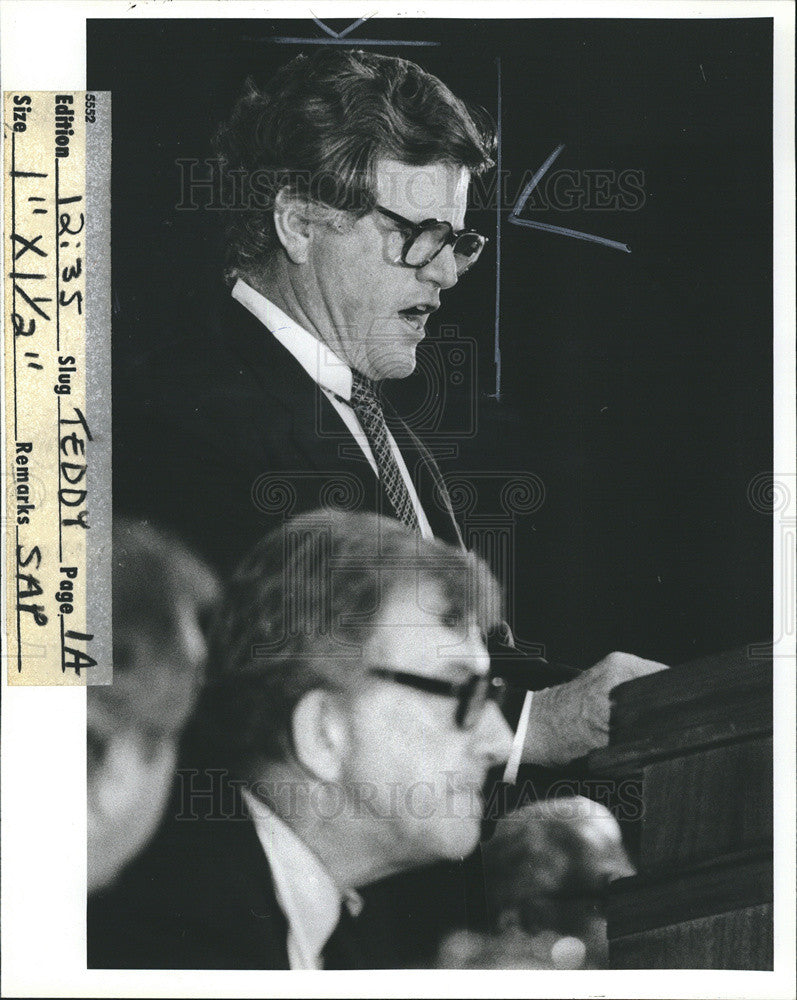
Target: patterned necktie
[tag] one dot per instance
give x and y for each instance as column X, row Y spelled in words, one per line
column 366, row 405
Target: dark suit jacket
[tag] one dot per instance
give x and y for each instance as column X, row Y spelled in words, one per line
column 201, row 896
column 219, row 434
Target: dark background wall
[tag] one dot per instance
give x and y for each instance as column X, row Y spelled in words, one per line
column 635, row 387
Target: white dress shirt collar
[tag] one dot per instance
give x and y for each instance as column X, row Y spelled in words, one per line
column 322, row 364
column 334, row 377
column 306, row 893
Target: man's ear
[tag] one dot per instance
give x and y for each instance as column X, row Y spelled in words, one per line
column 293, row 225
column 321, row 735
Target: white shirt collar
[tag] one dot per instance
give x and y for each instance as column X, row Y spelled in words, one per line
column 322, row 364
column 306, row 893
column 333, row 376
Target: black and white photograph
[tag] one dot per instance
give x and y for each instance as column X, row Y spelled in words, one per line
column 448, row 490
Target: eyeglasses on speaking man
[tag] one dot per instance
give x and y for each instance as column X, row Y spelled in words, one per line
column 425, row 240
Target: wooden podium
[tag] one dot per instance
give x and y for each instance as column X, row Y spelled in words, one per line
column 690, row 755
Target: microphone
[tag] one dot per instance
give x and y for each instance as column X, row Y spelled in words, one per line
column 523, row 672
column 528, row 670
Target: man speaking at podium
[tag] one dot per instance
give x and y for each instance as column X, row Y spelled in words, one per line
column 355, row 169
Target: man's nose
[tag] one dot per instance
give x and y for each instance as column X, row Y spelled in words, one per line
column 442, row 269
column 493, row 735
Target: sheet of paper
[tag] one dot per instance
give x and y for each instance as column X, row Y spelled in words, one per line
column 57, row 215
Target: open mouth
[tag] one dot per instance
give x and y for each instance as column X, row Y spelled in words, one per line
column 417, row 315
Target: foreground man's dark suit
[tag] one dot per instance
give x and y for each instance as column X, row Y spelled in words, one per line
column 201, row 896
